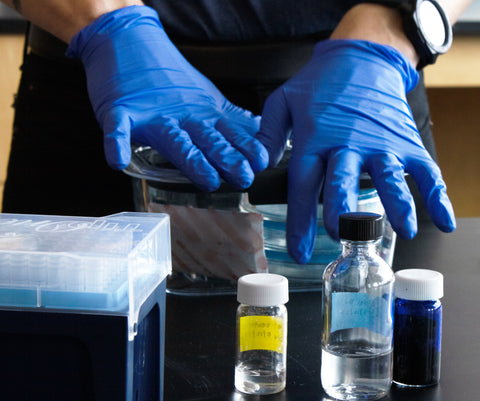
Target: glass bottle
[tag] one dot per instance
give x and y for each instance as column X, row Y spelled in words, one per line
column 418, row 327
column 358, row 314
column 261, row 357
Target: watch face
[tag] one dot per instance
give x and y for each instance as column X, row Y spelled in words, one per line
column 432, row 23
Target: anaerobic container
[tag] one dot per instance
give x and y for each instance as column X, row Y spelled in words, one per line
column 358, row 314
column 261, row 361
column 246, row 229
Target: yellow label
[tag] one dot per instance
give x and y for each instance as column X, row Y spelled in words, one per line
column 261, row 333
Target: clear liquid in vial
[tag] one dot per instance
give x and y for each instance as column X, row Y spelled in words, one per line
column 349, row 375
column 260, row 372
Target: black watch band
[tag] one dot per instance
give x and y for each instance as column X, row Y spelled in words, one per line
column 425, row 24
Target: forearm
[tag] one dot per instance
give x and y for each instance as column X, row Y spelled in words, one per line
column 454, row 8
column 64, row 18
column 383, row 25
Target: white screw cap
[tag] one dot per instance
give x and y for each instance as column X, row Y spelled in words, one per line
column 418, row 284
column 262, row 289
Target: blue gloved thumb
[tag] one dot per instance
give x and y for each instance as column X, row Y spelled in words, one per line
column 275, row 127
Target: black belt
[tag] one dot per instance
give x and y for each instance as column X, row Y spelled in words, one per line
column 273, row 61
column 253, row 62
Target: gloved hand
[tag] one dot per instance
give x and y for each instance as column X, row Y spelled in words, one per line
column 347, row 114
column 143, row 90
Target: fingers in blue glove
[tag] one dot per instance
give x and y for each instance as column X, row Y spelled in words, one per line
column 176, row 144
column 341, row 187
column 388, row 175
column 303, row 196
column 231, row 164
column 239, row 129
column 432, row 187
column 198, row 150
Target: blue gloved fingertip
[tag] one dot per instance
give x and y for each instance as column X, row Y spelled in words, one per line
column 209, row 185
column 118, row 166
column 120, row 162
column 300, row 251
column 261, row 162
column 449, row 227
column 406, row 232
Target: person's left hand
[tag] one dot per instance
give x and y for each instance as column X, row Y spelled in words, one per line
column 347, row 113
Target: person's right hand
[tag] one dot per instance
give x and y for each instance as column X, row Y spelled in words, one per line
column 144, row 91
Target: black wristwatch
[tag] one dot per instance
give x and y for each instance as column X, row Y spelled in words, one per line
column 426, row 26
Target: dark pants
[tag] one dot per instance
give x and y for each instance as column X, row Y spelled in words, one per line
column 57, row 164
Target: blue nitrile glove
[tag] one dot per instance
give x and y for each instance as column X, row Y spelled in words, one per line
column 347, row 112
column 143, row 90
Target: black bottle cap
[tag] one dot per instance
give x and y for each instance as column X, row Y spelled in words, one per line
column 360, row 226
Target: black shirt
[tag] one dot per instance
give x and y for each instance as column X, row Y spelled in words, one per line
column 248, row 20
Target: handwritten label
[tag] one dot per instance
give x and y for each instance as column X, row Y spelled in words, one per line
column 357, row 309
column 262, row 333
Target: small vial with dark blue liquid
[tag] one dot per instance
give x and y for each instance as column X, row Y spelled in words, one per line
column 417, row 327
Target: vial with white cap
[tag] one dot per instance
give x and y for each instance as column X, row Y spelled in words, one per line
column 261, row 356
column 417, row 327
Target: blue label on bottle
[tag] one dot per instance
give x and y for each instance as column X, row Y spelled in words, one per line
column 360, row 310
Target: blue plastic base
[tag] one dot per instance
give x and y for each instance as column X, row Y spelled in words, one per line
column 81, row 356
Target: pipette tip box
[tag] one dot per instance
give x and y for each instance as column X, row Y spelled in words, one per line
column 93, row 288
